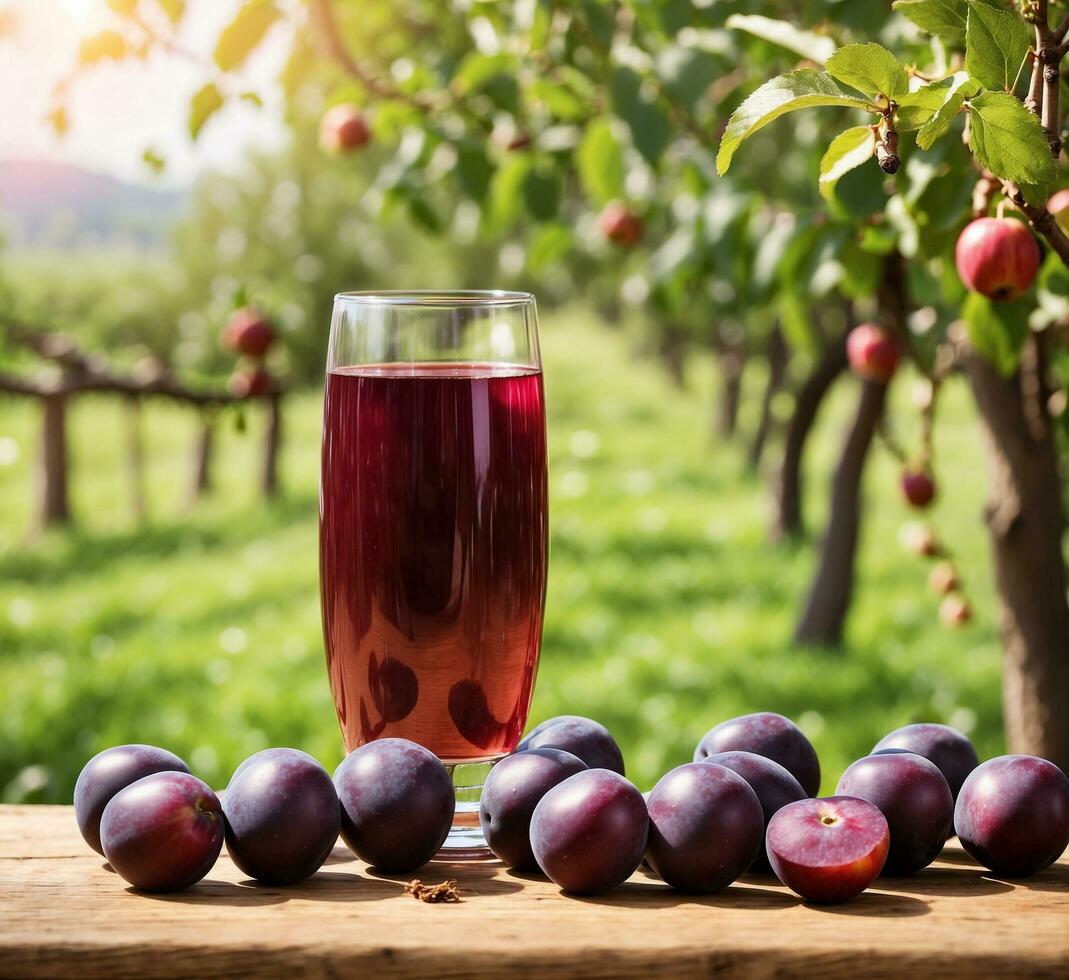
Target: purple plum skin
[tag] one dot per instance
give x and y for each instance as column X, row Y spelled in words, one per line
column 775, row 788
column 951, row 752
column 915, row 798
column 107, row 773
column 282, row 816
column 397, row 804
column 589, row 832
column 582, row 737
column 768, row 734
column 706, row 827
column 510, row 795
column 1012, row 814
column 163, row 832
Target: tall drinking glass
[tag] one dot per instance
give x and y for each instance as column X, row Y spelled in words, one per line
column 432, row 526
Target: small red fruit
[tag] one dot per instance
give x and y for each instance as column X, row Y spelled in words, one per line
column 248, row 332
column 620, row 225
column 997, row 257
column 828, row 850
column 944, row 579
column 251, row 384
column 872, row 352
column 1058, row 205
column 918, row 488
column 955, row 610
column 343, row 129
column 920, row 540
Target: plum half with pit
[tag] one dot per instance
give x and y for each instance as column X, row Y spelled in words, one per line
column 585, row 738
column 828, row 850
column 163, row 832
column 110, row 771
column 706, row 827
column 774, row 786
column 588, row 833
column 771, row 735
column 397, row 804
column 511, row 793
column 282, row 816
column 951, row 751
column 1012, row 814
column 914, row 797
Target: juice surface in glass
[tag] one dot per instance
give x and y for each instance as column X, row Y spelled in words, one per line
column 433, row 547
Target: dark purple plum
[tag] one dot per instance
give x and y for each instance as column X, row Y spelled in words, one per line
column 951, row 752
column 914, row 796
column 828, row 850
column 1012, row 814
column 583, row 737
column 282, row 816
column 107, row 773
column 510, row 794
column 706, row 827
column 397, row 804
column 588, row 833
column 768, row 734
column 163, row 832
column 775, row 787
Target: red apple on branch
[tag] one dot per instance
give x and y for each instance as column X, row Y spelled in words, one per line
column 918, row 488
column 620, row 225
column 944, row 578
column 955, row 610
column 997, row 257
column 344, row 129
column 251, row 383
column 1058, row 205
column 248, row 332
column 872, row 352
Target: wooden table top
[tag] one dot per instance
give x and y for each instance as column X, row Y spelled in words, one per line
column 64, row 913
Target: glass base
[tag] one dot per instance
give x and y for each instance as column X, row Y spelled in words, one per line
column 466, row 841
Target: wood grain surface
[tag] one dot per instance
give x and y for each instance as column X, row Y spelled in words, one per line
column 64, row 913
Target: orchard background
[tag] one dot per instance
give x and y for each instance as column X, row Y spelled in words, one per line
column 739, row 520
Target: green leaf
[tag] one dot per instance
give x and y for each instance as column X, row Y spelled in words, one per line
column 814, row 47
column 506, row 191
column 943, row 18
column 207, row 101
column 651, row 130
column 424, row 215
column 478, row 70
column 560, row 100
column 915, row 109
column 851, row 148
column 542, row 193
column 244, row 33
column 549, row 244
column 961, row 88
column 156, row 163
column 473, row 169
column 1009, row 140
column 253, row 98
column 600, row 162
column 996, row 45
column 871, row 69
column 173, row 9
column 687, row 72
column 103, row 46
column 997, row 330
column 799, row 89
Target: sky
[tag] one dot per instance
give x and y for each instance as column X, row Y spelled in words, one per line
column 118, row 110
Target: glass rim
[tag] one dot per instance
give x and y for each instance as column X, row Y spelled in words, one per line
column 437, row 298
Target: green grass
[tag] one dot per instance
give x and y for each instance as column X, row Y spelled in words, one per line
column 668, row 609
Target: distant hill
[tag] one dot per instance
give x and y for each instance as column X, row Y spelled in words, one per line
column 56, row 205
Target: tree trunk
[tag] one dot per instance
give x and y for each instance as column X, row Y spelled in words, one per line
column 202, row 461
column 135, row 457
column 1026, row 522
column 776, row 353
column 673, row 350
column 54, row 502
column 730, row 360
column 788, row 486
column 272, row 443
column 832, row 589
